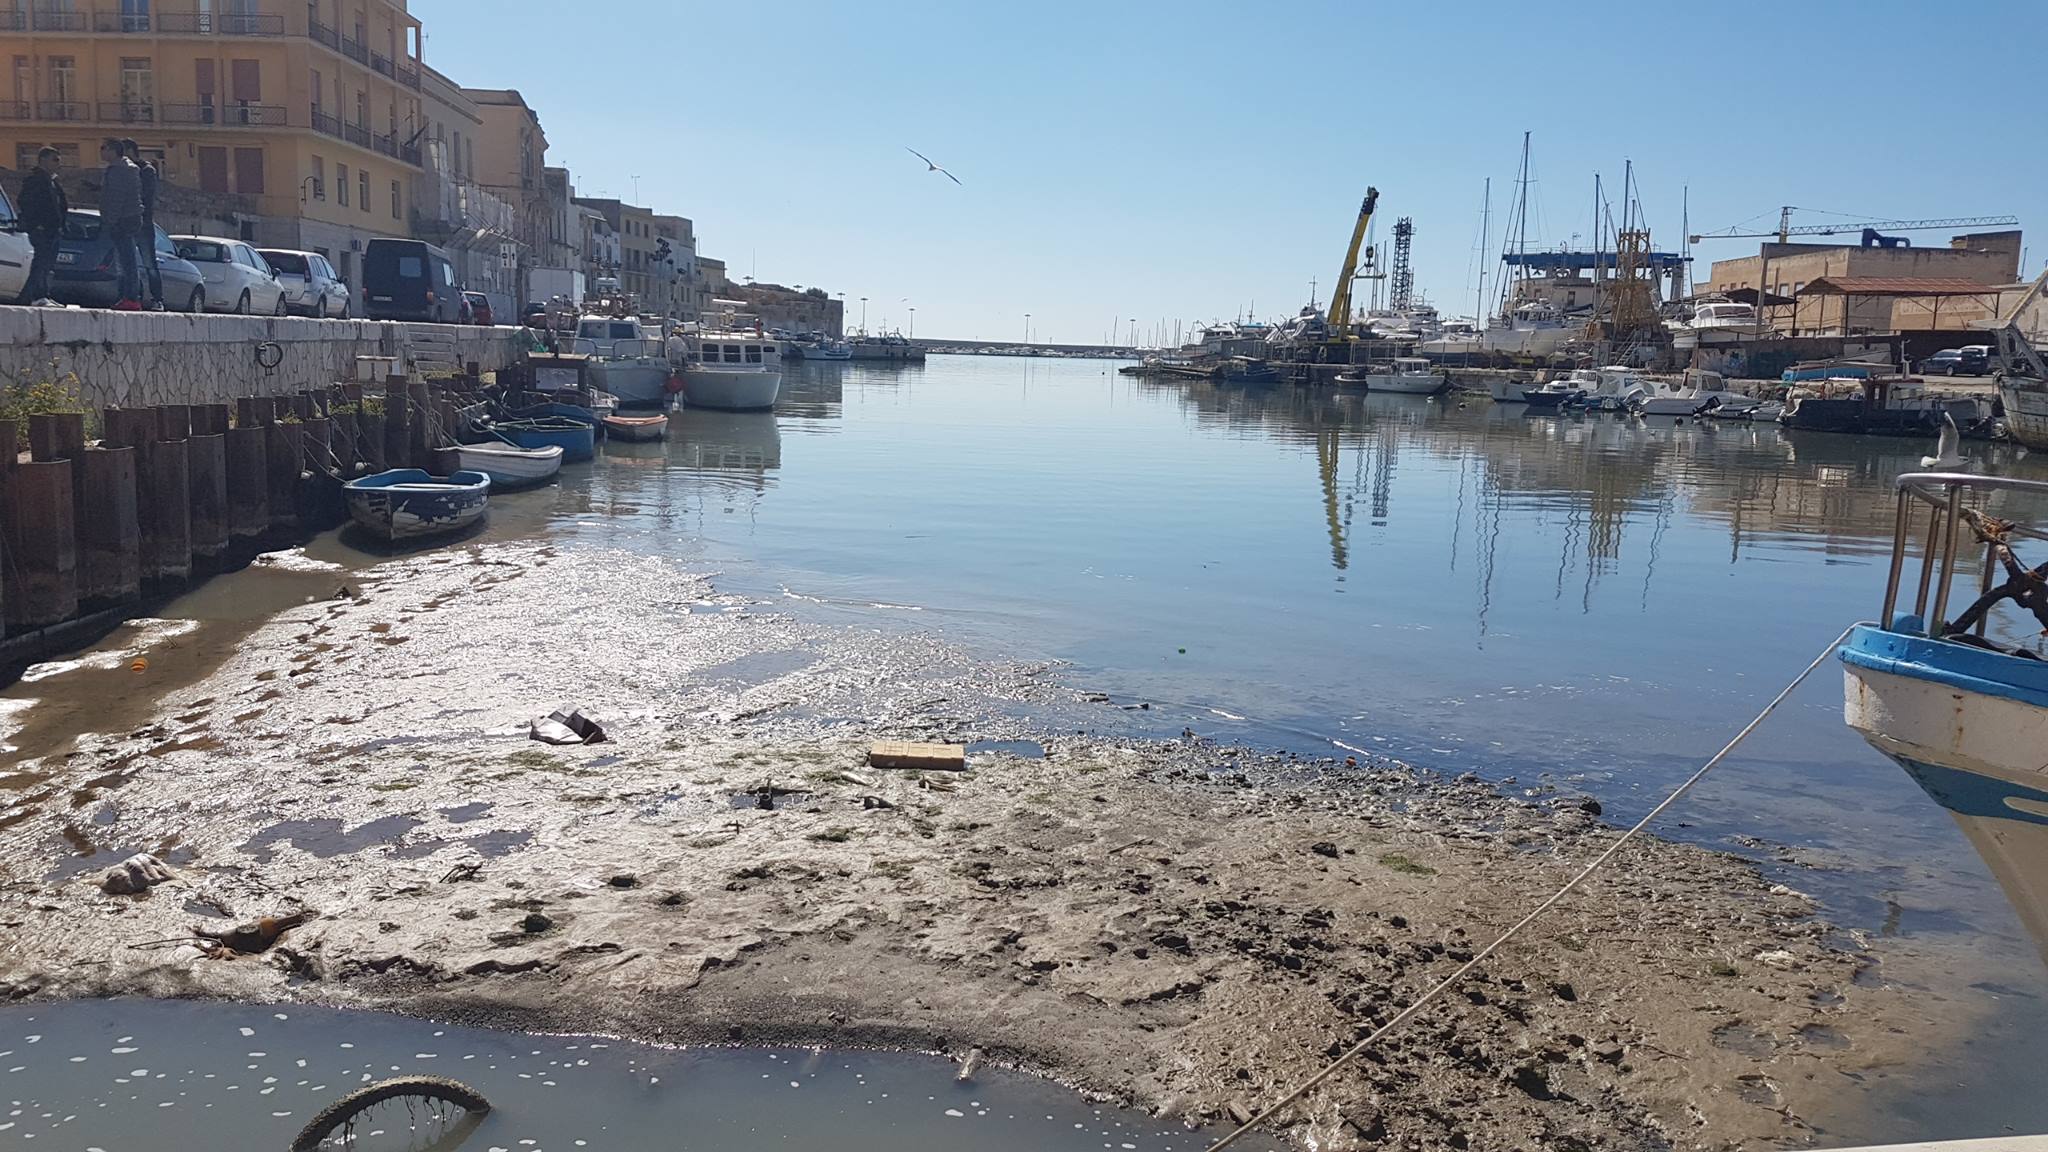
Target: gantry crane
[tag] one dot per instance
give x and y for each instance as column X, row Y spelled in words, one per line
column 1340, row 297
column 1786, row 231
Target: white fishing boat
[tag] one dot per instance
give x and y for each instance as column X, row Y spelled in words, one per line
column 1408, row 376
column 1717, row 323
column 1962, row 711
column 1613, row 388
column 829, row 350
column 508, row 465
column 1697, row 391
column 626, row 360
column 727, row 361
column 1535, row 328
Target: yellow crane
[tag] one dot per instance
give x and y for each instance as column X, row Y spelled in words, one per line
column 1340, row 297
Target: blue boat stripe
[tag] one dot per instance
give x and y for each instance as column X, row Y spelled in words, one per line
column 1959, row 666
column 1971, row 794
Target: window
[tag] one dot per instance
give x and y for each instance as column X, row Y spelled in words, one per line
column 753, row 353
column 203, row 87
column 363, row 186
column 318, row 94
column 341, row 184
column 24, row 80
column 458, row 153
column 732, row 353
column 63, row 78
column 245, row 81
column 411, row 267
column 213, row 169
column 249, row 171
column 362, row 108
column 397, row 202
column 319, row 178
column 138, row 86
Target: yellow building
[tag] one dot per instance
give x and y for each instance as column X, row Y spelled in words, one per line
column 304, row 116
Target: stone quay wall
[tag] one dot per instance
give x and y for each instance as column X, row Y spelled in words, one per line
column 147, row 359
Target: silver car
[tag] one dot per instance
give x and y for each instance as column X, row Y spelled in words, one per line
column 237, row 279
column 311, row 287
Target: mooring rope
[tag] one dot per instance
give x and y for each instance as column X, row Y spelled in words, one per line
column 1444, row 985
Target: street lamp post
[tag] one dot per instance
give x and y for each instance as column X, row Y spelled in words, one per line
column 913, row 322
column 863, row 314
column 1027, row 329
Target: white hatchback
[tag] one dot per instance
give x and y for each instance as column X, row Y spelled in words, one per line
column 311, row 287
column 237, row 279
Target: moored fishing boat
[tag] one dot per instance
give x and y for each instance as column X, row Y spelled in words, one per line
column 1964, row 713
column 728, row 362
column 1409, row 376
column 635, row 428
column 576, row 439
column 508, row 465
column 408, row 503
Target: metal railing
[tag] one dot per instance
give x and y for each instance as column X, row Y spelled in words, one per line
column 63, row 110
column 13, row 20
column 410, row 153
column 219, row 23
column 324, row 123
column 380, row 63
column 127, row 112
column 410, row 77
column 17, row 110
column 355, row 50
column 324, row 34
column 58, row 20
column 1942, row 493
column 356, row 134
column 231, row 116
column 121, row 22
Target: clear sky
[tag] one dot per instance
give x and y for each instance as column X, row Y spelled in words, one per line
column 1180, row 161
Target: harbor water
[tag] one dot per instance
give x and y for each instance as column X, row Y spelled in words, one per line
column 1592, row 601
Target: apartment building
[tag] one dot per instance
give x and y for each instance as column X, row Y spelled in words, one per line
column 304, row 113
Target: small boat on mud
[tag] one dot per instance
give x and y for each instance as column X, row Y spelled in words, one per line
column 508, row 465
column 408, row 503
column 636, row 428
column 576, row 439
column 1962, row 708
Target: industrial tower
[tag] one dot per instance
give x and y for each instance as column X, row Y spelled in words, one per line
column 1401, row 291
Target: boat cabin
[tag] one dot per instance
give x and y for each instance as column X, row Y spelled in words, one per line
column 733, row 349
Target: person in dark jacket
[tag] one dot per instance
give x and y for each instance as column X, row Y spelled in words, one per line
column 121, row 213
column 43, row 208
column 153, row 275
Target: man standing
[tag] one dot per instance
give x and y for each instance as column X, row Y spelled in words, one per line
column 121, row 215
column 152, row 273
column 43, row 207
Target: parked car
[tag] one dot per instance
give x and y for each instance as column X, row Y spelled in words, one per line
column 15, row 252
column 1969, row 360
column 311, row 286
column 409, row 280
column 476, row 309
column 237, row 279
column 85, row 272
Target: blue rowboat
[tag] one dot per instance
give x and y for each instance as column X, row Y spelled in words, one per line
column 554, row 409
column 577, row 440
column 406, row 503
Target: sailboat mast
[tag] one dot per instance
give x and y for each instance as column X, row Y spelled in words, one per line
column 1485, row 252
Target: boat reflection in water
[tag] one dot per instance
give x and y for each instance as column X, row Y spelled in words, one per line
column 731, row 444
column 1963, row 706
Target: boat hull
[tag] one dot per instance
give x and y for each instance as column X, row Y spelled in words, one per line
column 730, row 391
column 510, row 467
column 1542, row 398
column 1969, row 726
column 577, row 441
column 407, row 503
column 638, row 383
column 636, row 428
column 1406, row 383
column 2026, row 413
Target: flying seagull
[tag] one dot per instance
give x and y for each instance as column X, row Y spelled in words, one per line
column 1948, row 451
column 931, row 167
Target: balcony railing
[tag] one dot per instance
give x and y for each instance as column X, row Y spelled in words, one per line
column 63, row 110
column 410, row 77
column 127, row 112
column 355, row 50
column 410, row 154
column 233, row 116
column 356, row 134
column 324, row 123
column 220, row 23
column 324, row 34
column 17, row 110
column 132, row 22
column 380, row 63
column 13, row 20
column 385, row 144
column 54, row 20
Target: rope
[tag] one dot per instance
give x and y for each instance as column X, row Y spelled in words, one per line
column 1448, row 982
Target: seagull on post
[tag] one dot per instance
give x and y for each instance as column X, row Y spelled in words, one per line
column 931, row 167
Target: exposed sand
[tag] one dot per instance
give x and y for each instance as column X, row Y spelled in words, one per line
column 1187, row 927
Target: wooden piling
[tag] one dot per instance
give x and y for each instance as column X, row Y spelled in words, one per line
column 10, row 454
column 162, row 500
column 422, row 410
column 254, row 411
column 397, row 426
column 282, row 469
column 210, row 420
column 173, row 422
column 206, row 479
column 61, row 436
column 248, row 482
column 110, row 534
column 41, row 575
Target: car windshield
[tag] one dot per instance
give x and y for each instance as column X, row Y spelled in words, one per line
column 81, row 226
column 204, row 251
column 286, row 263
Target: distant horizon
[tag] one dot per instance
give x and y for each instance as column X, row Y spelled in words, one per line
column 1135, row 160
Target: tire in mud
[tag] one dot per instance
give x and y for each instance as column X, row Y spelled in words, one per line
column 337, row 1115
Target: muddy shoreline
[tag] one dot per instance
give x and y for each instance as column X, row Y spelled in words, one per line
column 1179, row 925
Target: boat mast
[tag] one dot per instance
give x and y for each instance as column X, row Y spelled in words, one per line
column 1485, row 250
column 1519, row 228
column 1685, row 240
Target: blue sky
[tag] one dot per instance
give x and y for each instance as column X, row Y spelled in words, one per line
column 1183, row 160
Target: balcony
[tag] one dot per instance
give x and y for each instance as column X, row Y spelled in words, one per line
column 127, row 112
column 236, row 116
column 53, row 20
column 380, row 63
column 324, row 34
column 13, row 20
column 17, row 110
column 411, row 155
column 410, row 77
column 220, row 23
column 355, row 50
column 386, row 144
column 325, row 124
column 63, row 110
column 356, row 134
column 129, row 22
